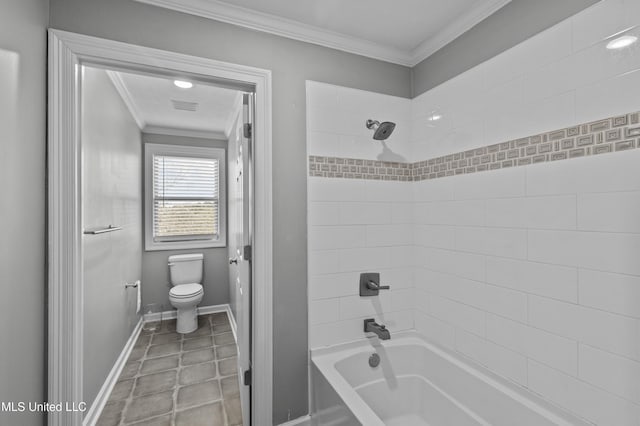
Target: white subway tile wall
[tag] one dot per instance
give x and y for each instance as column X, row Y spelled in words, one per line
column 357, row 226
column 336, row 118
column 530, row 271
column 550, row 281
column 559, row 78
column 366, row 227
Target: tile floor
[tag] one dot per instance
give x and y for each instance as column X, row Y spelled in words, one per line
column 178, row 379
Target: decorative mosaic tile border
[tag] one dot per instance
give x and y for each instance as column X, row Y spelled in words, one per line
column 599, row 137
column 352, row 168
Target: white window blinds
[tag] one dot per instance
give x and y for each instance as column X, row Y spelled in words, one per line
column 186, row 198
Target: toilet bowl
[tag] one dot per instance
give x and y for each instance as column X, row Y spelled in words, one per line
column 187, row 292
column 185, row 298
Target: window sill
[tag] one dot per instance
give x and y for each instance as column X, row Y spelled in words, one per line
column 183, row 245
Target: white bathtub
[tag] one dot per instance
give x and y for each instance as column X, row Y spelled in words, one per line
column 418, row 384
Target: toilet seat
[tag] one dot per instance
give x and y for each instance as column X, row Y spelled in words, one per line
column 184, row 291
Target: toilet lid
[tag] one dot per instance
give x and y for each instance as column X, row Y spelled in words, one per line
column 185, row 290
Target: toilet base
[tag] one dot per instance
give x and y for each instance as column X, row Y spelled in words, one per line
column 187, row 320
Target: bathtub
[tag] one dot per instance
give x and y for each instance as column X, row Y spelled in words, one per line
column 417, row 384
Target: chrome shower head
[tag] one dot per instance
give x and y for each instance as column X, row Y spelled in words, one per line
column 381, row 131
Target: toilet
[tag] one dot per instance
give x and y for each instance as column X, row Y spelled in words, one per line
column 186, row 291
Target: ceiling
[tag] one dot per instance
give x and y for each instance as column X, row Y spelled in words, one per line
column 400, row 31
column 159, row 106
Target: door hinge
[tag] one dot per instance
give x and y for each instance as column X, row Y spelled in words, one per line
column 247, row 129
column 247, row 378
column 246, row 255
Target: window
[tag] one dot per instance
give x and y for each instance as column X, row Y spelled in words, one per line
column 184, row 197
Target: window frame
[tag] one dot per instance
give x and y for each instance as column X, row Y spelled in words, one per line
column 153, row 149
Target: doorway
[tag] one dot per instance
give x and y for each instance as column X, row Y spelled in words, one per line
column 249, row 245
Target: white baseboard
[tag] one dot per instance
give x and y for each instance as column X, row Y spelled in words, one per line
column 205, row 310
column 232, row 321
column 93, row 414
column 202, row 310
column 301, row 421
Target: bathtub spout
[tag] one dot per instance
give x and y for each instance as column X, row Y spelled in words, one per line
column 371, row 326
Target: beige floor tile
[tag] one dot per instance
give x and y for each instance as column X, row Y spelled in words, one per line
column 197, row 373
column 198, row 343
column 164, row 349
column 143, row 341
column 219, row 318
column 130, row 369
column 228, row 366
column 137, row 353
column 159, row 339
column 121, row 390
column 226, row 351
column 149, row 406
column 224, row 339
column 198, row 394
column 203, row 330
column 198, row 356
column 207, row 415
column 167, row 326
column 155, row 365
column 154, row 383
column 111, row 413
column 221, row 328
column 156, row 421
column 230, row 386
column 233, row 410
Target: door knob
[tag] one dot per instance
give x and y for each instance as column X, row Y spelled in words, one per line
column 233, row 260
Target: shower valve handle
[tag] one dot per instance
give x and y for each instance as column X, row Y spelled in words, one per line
column 372, row 285
column 369, row 284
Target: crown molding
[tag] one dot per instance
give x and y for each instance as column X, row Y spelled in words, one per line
column 272, row 24
column 126, row 96
column 455, row 29
column 187, row 133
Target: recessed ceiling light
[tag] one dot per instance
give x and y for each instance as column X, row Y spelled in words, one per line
column 183, row 84
column 434, row 117
column 622, row 42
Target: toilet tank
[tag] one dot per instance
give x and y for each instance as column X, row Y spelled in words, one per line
column 186, row 268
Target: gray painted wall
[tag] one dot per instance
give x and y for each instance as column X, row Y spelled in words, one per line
column 292, row 63
column 22, row 205
column 155, row 272
column 111, row 185
column 509, row 26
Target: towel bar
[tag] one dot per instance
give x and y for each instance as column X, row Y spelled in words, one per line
column 109, row 228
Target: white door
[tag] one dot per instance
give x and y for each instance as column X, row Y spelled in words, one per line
column 240, row 245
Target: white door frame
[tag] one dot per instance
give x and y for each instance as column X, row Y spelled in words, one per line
column 66, row 52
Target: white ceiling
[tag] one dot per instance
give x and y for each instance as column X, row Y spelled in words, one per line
column 400, row 31
column 151, row 101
